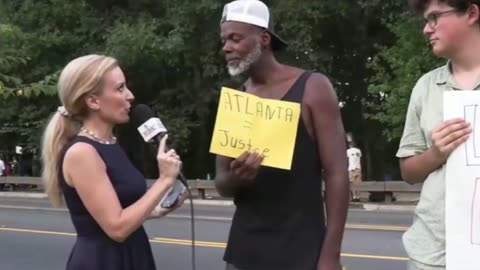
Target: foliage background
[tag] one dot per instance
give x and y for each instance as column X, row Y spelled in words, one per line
column 372, row 50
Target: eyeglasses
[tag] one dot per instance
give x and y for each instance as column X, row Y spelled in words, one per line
column 432, row 19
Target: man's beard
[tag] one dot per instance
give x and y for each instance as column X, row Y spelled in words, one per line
column 245, row 64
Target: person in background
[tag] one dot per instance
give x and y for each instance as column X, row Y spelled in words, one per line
column 2, row 166
column 354, row 156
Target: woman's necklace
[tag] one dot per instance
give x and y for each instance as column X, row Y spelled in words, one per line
column 85, row 130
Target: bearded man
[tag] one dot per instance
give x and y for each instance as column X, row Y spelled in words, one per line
column 279, row 222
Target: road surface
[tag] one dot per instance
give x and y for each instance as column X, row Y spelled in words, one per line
column 35, row 236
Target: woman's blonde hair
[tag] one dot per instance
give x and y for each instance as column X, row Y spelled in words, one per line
column 81, row 77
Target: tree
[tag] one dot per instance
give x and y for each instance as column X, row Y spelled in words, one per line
column 339, row 39
column 19, row 127
column 170, row 52
column 396, row 70
column 9, row 58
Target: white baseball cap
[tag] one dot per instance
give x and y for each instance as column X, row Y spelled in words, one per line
column 253, row 12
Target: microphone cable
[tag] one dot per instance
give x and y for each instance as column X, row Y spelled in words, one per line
column 192, row 218
column 148, row 124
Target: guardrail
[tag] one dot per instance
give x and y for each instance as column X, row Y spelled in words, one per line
column 206, row 188
column 201, row 188
column 388, row 188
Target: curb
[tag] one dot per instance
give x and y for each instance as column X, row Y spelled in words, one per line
column 12, row 194
column 380, row 207
column 211, row 202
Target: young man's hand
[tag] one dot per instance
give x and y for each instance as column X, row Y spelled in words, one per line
column 447, row 136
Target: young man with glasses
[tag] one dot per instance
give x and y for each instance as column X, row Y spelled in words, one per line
column 453, row 31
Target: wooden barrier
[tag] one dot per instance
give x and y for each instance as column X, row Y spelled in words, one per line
column 206, row 188
column 201, row 188
column 21, row 180
column 388, row 188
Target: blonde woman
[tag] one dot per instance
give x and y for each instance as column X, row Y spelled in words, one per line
column 85, row 167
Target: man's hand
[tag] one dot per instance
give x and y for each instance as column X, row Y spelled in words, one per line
column 247, row 165
column 447, row 136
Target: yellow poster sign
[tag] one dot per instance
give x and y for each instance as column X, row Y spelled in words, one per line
column 246, row 122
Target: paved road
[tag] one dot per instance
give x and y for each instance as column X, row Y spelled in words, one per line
column 34, row 237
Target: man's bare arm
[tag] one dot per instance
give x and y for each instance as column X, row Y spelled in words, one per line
column 446, row 137
column 415, row 169
column 330, row 138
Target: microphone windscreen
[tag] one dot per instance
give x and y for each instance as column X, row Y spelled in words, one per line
column 140, row 114
column 147, row 123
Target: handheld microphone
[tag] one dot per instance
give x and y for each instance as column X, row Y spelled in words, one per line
column 152, row 131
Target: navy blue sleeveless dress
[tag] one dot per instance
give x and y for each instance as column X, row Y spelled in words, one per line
column 93, row 249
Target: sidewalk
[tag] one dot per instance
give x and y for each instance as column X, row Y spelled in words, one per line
column 368, row 206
